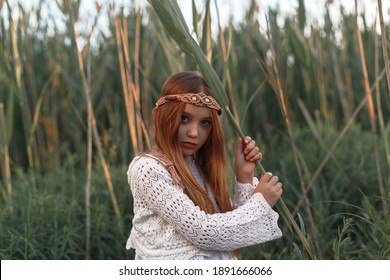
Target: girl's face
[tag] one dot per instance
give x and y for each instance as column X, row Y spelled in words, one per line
column 195, row 128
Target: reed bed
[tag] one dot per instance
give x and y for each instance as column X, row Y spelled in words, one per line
column 75, row 107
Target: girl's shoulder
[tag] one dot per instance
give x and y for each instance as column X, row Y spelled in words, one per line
column 154, row 162
column 146, row 161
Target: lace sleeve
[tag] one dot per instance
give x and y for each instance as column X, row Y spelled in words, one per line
column 243, row 192
column 252, row 223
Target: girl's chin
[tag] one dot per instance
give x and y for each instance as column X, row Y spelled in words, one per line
column 187, row 152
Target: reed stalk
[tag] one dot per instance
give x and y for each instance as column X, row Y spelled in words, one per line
column 90, row 122
column 4, row 155
column 379, row 105
column 126, row 84
column 91, row 115
column 384, row 44
column 137, row 90
column 371, row 111
column 89, row 167
column 131, row 89
column 22, row 98
column 206, row 40
column 171, row 17
column 88, row 185
column 133, row 84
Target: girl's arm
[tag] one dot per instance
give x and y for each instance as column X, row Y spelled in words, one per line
column 252, row 223
column 243, row 192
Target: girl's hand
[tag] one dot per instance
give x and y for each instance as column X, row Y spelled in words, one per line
column 246, row 154
column 270, row 187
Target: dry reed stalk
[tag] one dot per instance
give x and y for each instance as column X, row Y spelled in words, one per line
column 137, row 92
column 133, row 93
column 92, row 119
column 142, row 132
column 371, row 111
column 90, row 122
column 88, row 187
column 23, row 102
column 89, row 172
column 4, row 154
column 384, row 44
column 206, row 43
column 126, row 84
column 30, row 76
column 379, row 104
column 130, row 91
column 335, row 144
column 283, row 104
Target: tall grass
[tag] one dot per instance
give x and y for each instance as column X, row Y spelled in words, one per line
column 276, row 84
column 47, row 128
column 50, row 223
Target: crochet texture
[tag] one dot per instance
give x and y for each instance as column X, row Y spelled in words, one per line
column 167, row 224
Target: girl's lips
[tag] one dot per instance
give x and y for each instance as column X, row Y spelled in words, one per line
column 189, row 145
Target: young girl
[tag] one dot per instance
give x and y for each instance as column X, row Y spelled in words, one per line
column 182, row 208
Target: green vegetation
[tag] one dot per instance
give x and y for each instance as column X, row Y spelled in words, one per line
column 63, row 187
column 48, row 222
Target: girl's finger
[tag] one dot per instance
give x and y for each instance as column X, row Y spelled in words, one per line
column 249, row 147
column 278, row 186
column 265, row 178
column 255, row 154
column 274, row 180
column 247, row 139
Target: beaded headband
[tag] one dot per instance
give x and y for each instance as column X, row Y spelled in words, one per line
column 198, row 99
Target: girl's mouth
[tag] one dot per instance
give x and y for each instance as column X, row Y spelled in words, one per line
column 189, row 145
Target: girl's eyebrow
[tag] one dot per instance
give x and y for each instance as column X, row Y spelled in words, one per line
column 187, row 113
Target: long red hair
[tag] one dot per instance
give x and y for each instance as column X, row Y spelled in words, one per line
column 210, row 158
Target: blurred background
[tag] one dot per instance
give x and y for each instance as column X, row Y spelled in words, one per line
column 79, row 79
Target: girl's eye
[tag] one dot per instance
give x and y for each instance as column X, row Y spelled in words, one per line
column 206, row 122
column 184, row 118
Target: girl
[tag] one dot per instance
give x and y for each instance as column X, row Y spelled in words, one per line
column 182, row 208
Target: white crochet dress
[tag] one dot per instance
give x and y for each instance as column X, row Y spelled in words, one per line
column 167, row 224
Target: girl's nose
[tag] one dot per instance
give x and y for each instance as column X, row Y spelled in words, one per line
column 193, row 131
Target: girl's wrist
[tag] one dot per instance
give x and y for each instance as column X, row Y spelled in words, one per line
column 244, row 179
